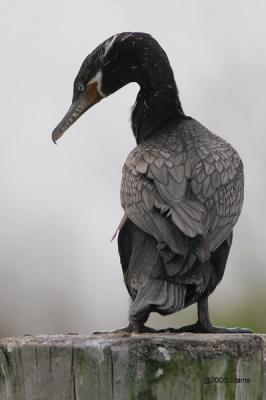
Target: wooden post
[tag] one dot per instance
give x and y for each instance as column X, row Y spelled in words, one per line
column 133, row 367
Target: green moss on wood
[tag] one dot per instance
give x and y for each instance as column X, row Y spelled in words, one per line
column 154, row 367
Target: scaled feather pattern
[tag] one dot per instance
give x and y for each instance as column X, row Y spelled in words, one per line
column 185, row 179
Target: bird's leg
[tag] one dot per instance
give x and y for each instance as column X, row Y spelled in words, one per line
column 136, row 325
column 204, row 320
column 204, row 325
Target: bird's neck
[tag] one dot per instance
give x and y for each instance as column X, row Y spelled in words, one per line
column 157, row 104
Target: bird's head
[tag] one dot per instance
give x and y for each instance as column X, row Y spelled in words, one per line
column 114, row 63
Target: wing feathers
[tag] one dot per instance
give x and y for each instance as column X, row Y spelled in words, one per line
column 192, row 178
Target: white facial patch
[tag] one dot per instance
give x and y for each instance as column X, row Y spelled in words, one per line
column 98, row 79
column 109, row 44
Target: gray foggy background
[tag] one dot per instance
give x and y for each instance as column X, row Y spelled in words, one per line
column 60, row 205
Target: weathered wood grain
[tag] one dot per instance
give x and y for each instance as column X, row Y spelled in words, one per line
column 132, row 367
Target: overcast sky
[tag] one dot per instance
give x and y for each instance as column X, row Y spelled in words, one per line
column 60, row 205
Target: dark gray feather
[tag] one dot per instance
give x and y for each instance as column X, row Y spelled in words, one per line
column 189, row 178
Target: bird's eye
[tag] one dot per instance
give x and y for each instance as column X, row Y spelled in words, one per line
column 80, row 87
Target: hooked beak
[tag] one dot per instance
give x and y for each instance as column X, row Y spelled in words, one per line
column 86, row 100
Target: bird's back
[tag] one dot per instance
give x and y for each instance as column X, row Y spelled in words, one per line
column 184, row 185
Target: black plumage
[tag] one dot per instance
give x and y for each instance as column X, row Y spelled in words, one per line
column 182, row 186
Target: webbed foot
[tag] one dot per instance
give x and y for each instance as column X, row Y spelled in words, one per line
column 204, row 324
column 222, row 329
column 200, row 328
column 130, row 329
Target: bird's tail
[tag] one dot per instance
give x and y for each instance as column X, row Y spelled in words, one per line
column 159, row 296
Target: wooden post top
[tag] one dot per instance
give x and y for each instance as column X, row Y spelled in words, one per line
column 133, row 367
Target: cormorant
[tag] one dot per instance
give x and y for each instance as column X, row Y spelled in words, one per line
column 182, row 186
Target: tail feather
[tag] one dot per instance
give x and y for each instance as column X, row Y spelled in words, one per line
column 159, row 296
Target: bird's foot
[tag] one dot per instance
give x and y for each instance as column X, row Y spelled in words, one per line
column 200, row 328
column 196, row 328
column 222, row 329
column 130, row 329
column 137, row 329
column 147, row 329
